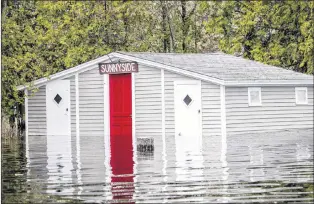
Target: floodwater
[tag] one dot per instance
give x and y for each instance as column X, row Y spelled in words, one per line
column 272, row 167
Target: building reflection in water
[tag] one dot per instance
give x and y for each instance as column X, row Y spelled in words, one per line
column 121, row 162
column 94, row 169
column 256, row 163
column 304, row 158
column 59, row 153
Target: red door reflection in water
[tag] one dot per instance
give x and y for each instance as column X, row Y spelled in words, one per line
column 121, row 136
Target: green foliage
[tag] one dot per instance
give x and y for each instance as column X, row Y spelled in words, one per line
column 274, row 32
column 40, row 38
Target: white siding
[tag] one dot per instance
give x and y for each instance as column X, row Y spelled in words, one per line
column 148, row 107
column 148, row 112
column 148, row 102
column 278, row 110
column 37, row 112
column 91, row 102
column 211, row 109
column 210, row 105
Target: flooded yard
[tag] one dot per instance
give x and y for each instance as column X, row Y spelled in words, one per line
column 272, row 167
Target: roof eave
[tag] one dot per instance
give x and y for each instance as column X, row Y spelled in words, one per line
column 66, row 73
column 306, row 82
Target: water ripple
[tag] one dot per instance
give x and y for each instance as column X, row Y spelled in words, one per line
column 261, row 168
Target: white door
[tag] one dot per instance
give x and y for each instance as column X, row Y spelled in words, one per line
column 58, row 107
column 59, row 149
column 188, row 115
column 188, row 130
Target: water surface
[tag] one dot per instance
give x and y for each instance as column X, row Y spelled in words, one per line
column 272, row 167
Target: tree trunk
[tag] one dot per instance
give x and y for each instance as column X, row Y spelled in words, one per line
column 125, row 24
column 4, row 4
column 164, row 27
column 106, row 27
column 172, row 45
column 184, row 25
column 195, row 34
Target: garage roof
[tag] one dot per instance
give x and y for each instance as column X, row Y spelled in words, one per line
column 218, row 68
column 223, row 66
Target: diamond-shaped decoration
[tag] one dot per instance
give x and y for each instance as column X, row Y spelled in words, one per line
column 187, row 100
column 57, row 98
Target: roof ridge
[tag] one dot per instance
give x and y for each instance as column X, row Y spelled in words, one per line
column 177, row 53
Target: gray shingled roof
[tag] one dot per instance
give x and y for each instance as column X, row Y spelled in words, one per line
column 228, row 69
column 222, row 66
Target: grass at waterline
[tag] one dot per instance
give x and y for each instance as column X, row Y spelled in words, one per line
column 304, row 190
column 35, row 197
column 14, row 185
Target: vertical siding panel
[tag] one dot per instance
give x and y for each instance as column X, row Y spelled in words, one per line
column 148, row 102
column 37, row 140
column 278, row 110
column 73, row 105
column 211, row 109
column 37, row 122
column 91, row 102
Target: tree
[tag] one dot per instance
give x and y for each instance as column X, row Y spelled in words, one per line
column 40, row 38
column 274, row 32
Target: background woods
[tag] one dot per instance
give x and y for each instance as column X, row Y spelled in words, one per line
column 40, row 38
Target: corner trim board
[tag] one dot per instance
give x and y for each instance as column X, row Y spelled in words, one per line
column 26, row 123
column 163, row 127
column 70, row 114
column 134, row 142
column 133, row 112
column 201, row 116
column 223, row 112
column 106, row 112
column 108, row 172
column 77, row 117
column 162, row 73
column 77, row 105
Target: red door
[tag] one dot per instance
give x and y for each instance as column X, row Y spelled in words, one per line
column 121, row 134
